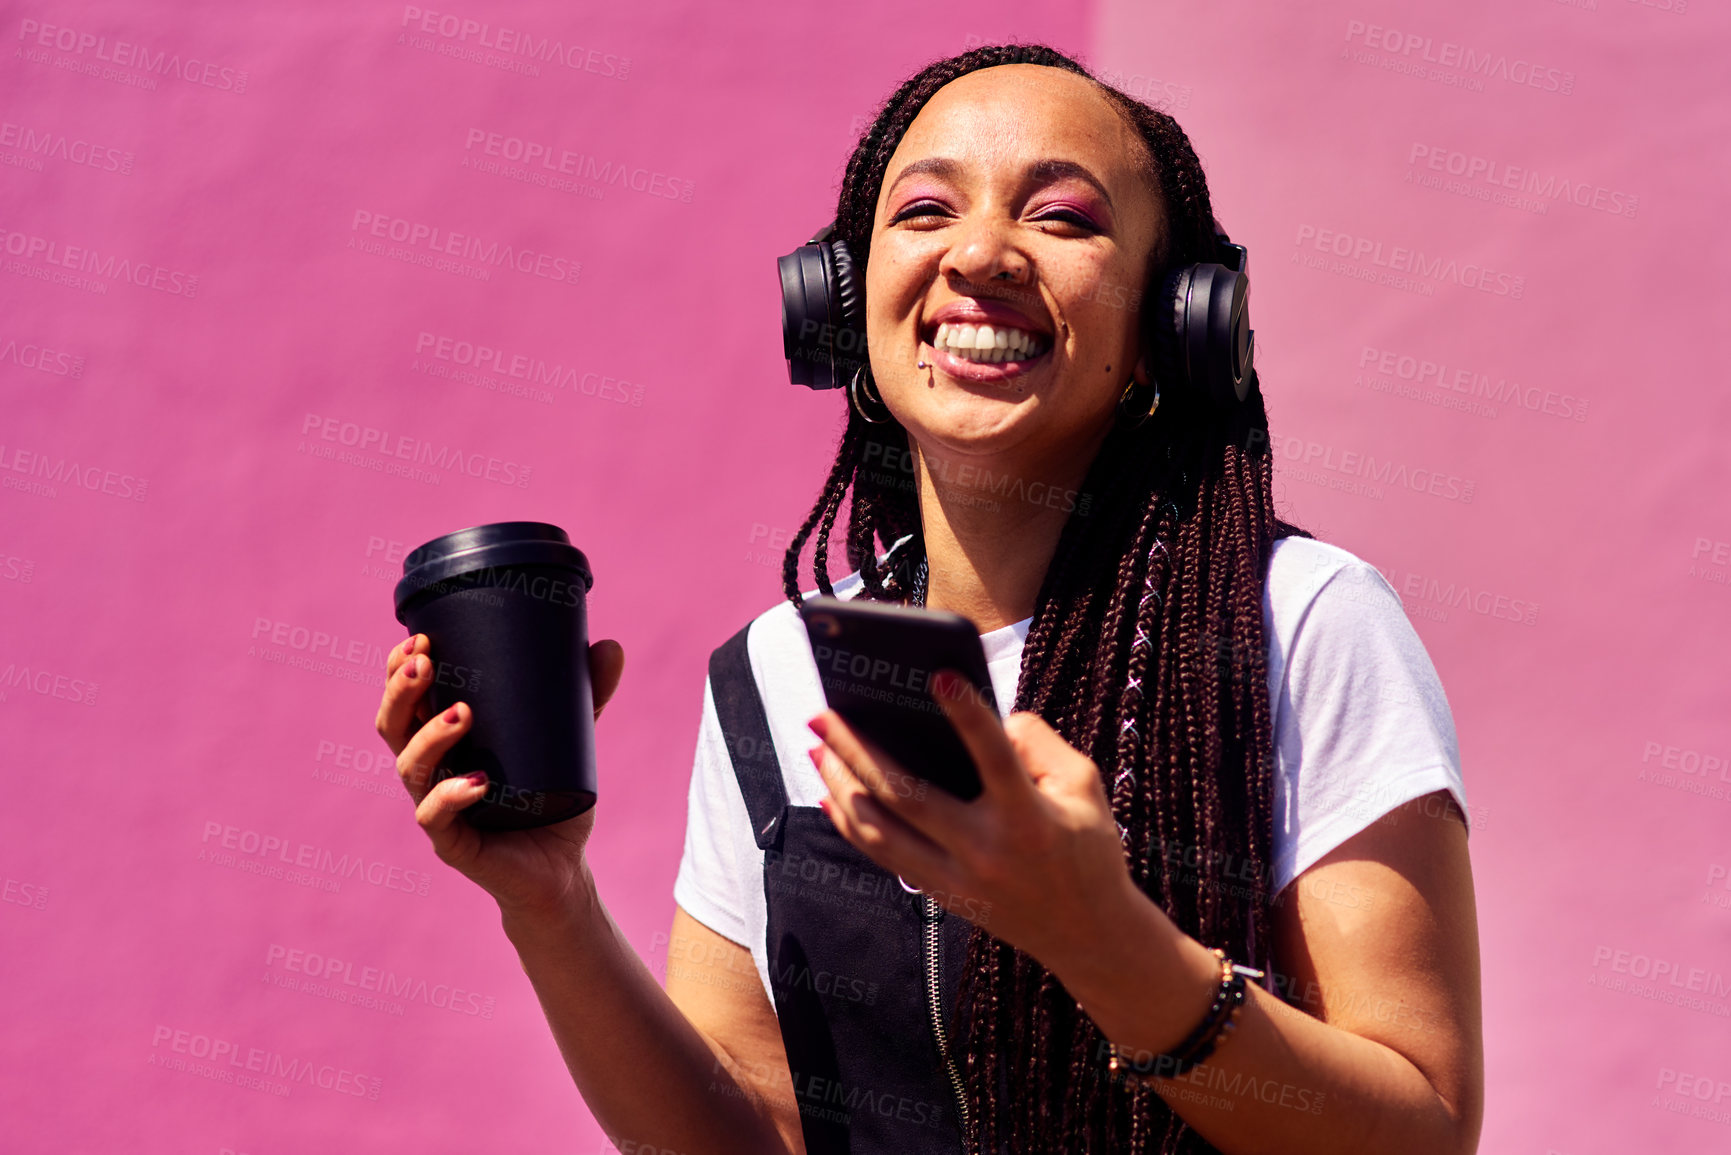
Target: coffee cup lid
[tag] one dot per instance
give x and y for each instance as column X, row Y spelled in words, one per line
column 498, row 543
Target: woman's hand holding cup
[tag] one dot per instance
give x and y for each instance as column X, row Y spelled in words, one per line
column 526, row 871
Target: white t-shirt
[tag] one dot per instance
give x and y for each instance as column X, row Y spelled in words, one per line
column 1361, row 726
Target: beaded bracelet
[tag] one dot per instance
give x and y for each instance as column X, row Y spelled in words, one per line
column 1220, row 1021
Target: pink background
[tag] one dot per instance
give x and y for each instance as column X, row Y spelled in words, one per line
column 169, row 504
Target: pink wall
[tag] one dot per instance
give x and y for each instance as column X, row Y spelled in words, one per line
column 167, row 501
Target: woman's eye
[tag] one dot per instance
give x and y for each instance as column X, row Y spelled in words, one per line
column 1071, row 217
column 918, row 209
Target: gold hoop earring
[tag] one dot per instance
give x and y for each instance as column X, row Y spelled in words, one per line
column 1133, row 413
column 864, row 399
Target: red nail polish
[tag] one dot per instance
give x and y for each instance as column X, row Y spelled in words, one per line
column 476, row 777
column 816, row 754
column 818, row 725
column 451, row 714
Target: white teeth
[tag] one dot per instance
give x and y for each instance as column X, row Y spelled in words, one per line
column 989, row 344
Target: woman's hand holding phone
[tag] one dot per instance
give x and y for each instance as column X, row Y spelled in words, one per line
column 1036, row 858
column 526, row 871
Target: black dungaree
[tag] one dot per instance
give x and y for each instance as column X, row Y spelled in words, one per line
column 847, row 958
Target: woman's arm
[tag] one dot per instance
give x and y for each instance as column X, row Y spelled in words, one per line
column 694, row 1069
column 1378, row 943
column 1390, row 1063
column 664, row 1072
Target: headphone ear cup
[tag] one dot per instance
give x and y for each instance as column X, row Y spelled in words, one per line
column 1163, row 331
column 1213, row 346
column 805, row 316
column 822, row 314
column 849, row 293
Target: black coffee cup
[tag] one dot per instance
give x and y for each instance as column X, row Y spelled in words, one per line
column 502, row 606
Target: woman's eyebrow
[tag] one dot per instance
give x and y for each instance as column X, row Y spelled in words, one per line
column 1041, row 171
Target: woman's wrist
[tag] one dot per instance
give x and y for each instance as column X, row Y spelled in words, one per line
column 531, row 925
column 1144, row 983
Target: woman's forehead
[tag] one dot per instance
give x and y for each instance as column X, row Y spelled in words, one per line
column 1015, row 114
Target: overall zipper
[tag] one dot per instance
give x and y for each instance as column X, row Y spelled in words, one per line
column 931, row 914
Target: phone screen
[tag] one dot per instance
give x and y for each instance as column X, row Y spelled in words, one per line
column 875, row 662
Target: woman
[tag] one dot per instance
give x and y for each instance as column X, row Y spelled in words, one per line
column 1224, row 735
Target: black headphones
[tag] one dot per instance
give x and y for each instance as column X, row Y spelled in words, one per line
column 1200, row 317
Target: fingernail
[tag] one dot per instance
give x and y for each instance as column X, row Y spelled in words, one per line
column 818, row 725
column 816, row 755
column 409, row 644
column 942, row 684
column 412, row 669
column 451, row 714
column 476, row 777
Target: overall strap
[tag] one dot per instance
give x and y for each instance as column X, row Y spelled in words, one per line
column 745, row 728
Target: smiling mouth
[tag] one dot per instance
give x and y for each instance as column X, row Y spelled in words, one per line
column 988, row 344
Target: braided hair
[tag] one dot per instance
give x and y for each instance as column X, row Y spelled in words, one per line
column 1146, row 652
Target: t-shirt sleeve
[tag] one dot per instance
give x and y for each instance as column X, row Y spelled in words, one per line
column 708, row 885
column 1363, row 725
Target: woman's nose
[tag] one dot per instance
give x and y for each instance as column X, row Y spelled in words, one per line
column 983, row 249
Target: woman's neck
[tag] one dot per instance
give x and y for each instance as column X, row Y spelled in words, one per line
column 991, row 527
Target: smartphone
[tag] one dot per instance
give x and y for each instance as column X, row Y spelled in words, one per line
column 875, row 662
